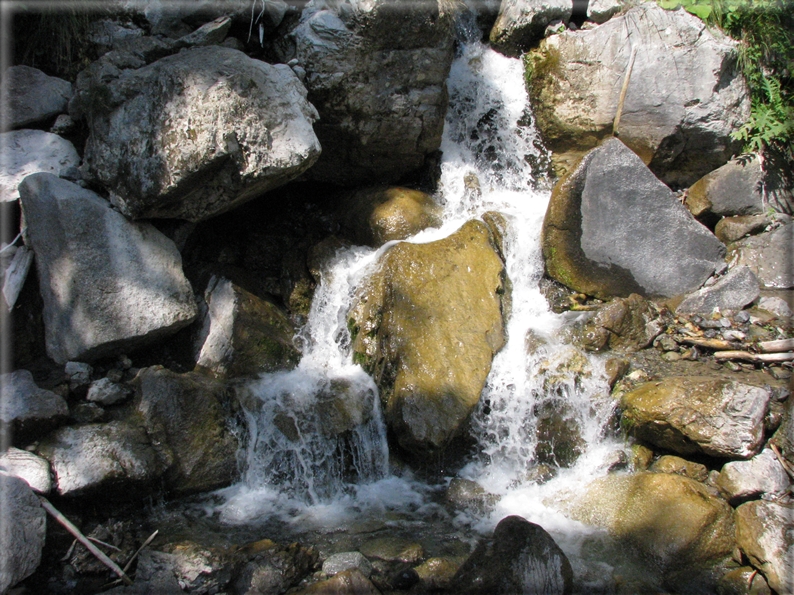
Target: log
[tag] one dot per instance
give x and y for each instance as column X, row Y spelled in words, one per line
column 713, row 344
column 764, row 358
column 776, row 346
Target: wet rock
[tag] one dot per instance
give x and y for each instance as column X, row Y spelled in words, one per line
column 437, row 573
column 375, row 216
column 521, row 24
column 673, row 521
column 763, row 532
column 679, row 124
column 108, row 285
column 27, row 152
column 426, row 325
column 679, row 466
column 185, row 415
column 467, row 494
column 197, row 133
column 520, row 557
column 343, row 406
column 154, row 574
column 616, row 368
column 736, row 188
column 29, row 467
column 613, row 229
column 707, row 415
column 768, row 255
column 243, row 335
column 392, row 65
column 393, row 549
column 743, row 581
column 106, row 392
column 347, row 582
column 624, row 324
column 116, row 457
column 22, row 531
column 337, row 563
column 31, row 97
column 731, row 293
column 731, row 229
column 29, row 411
column 740, row 481
column 559, row 433
column 272, row 568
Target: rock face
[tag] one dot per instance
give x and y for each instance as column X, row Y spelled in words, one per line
column 736, row 188
column 196, row 134
column 612, row 229
column 374, row 216
column 31, row 96
column 184, row 414
column 679, row 122
column 763, row 532
column 698, row 415
column 101, row 458
column 426, row 326
column 522, row 23
column 376, row 71
column 27, row 152
column 745, row 480
column 242, row 334
column 769, row 256
column 674, row 521
column 521, row 557
column 625, row 324
column 29, row 411
column 22, row 531
column 108, row 285
column 731, row 293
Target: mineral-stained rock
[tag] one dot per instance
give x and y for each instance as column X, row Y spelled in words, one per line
column 30, row 96
column 184, row 413
column 22, row 531
column 624, row 324
column 612, row 229
column 768, row 255
column 679, row 122
column 197, row 133
column 27, row 152
column 393, row 549
column 347, row 581
column 376, row 72
column 698, row 415
column 732, row 292
column 108, row 285
column 745, row 480
column 731, row 229
column 521, row 23
column 520, row 557
column 743, row 581
column 29, row 411
column 763, row 532
column 679, row 466
column 426, row 325
column 736, row 188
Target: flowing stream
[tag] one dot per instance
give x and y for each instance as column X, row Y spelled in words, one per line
column 297, row 463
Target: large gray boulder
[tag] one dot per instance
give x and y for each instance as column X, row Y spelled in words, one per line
column 736, row 188
column 613, row 229
column 763, row 532
column 27, row 410
column 376, row 71
column 426, row 325
column 698, row 415
column 684, row 94
column 522, row 23
column 768, row 255
column 732, row 292
column 109, row 285
column 30, row 96
column 22, row 531
column 27, row 152
column 197, row 133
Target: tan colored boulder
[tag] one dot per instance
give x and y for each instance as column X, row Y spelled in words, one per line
column 679, row 466
column 426, row 325
column 709, row 415
column 374, row 216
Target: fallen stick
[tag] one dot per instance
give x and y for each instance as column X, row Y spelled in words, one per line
column 764, row 358
column 776, row 346
column 713, row 344
column 783, row 461
column 138, row 551
column 624, row 88
column 85, row 541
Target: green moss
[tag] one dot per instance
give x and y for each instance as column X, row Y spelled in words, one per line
column 540, row 65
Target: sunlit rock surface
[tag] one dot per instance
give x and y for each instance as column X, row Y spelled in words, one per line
column 22, row 531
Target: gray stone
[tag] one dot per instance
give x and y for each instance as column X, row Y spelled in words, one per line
column 272, row 568
column 108, row 285
column 520, row 557
column 746, row 480
column 100, row 458
column 29, row 96
column 211, row 33
column 684, row 96
column 763, row 532
column 27, row 152
column 27, row 466
column 195, row 134
column 522, row 23
column 679, row 466
column 731, row 292
column 600, row 11
column 376, row 72
column 78, row 373
column 612, row 229
column 106, row 392
column 777, row 306
column 197, row 569
column 624, row 324
column 337, row 563
column 736, row 188
column 730, row 229
column 30, row 411
column 22, row 531
column 768, row 255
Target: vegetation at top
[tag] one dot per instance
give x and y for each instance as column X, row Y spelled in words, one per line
column 765, row 30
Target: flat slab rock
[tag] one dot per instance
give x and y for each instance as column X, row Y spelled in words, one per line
column 732, row 292
column 109, row 285
column 27, row 152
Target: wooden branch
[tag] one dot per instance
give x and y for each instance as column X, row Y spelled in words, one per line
column 713, row 344
column 783, row 461
column 138, row 551
column 623, row 90
column 85, row 541
column 763, row 358
column 776, row 346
